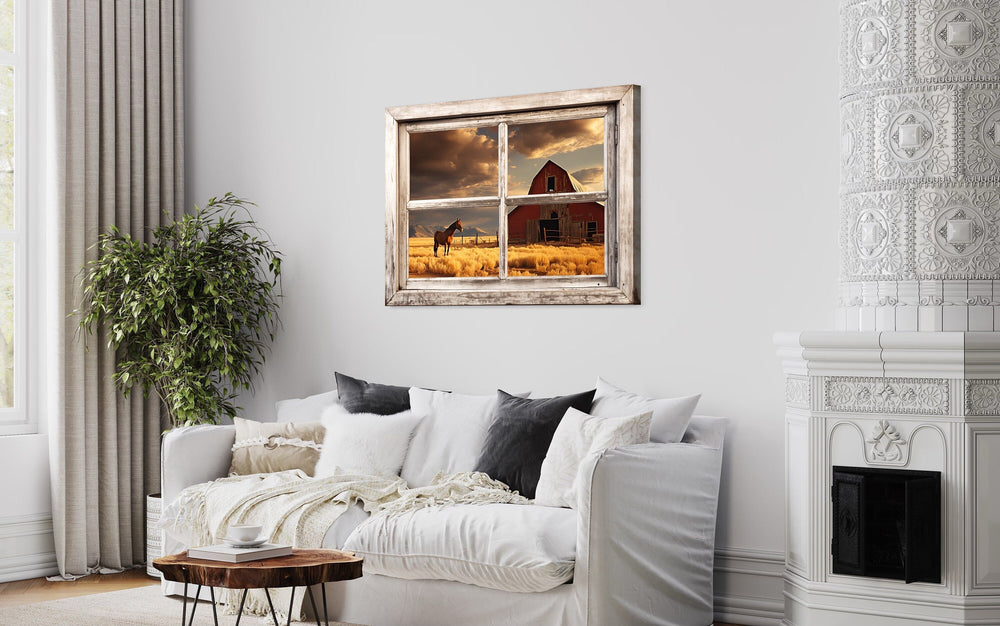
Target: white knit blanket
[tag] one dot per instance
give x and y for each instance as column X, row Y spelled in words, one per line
column 298, row 510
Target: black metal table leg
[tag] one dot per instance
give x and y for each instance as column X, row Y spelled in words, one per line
column 274, row 615
column 326, row 612
column 184, row 607
column 239, row 614
column 291, row 603
column 197, row 594
column 215, row 614
column 312, row 601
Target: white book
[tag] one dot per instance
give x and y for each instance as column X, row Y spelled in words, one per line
column 232, row 554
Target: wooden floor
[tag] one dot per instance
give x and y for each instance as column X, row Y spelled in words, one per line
column 41, row 590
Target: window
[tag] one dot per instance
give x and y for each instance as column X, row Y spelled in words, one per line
column 13, row 21
column 520, row 200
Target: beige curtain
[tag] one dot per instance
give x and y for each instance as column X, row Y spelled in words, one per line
column 118, row 146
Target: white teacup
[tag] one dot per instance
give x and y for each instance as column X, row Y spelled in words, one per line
column 245, row 532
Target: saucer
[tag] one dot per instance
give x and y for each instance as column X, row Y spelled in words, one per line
column 253, row 543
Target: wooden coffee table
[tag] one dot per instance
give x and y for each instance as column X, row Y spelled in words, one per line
column 300, row 568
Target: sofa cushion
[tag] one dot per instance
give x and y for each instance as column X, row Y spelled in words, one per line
column 670, row 415
column 450, row 437
column 361, row 396
column 261, row 447
column 308, row 409
column 577, row 436
column 511, row 547
column 366, row 443
column 520, row 435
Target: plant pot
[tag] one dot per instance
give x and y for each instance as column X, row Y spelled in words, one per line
column 154, row 536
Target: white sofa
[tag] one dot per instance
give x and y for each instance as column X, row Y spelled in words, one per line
column 645, row 540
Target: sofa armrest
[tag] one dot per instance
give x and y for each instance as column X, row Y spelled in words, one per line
column 646, row 541
column 194, row 454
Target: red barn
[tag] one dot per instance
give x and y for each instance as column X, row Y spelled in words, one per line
column 578, row 222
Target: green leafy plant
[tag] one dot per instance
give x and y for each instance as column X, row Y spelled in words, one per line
column 189, row 314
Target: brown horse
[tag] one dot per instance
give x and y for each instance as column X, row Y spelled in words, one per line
column 443, row 238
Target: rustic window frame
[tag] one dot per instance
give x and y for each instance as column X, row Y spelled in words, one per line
column 619, row 284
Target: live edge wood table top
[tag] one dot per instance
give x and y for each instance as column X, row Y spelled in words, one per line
column 300, row 568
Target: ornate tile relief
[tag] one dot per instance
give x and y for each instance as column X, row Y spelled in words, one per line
column 982, row 397
column 886, row 446
column 957, row 39
column 920, row 157
column 957, row 233
column 981, row 131
column 797, row 392
column 873, row 239
column 914, row 134
column 855, row 145
column 872, row 49
column 916, row 396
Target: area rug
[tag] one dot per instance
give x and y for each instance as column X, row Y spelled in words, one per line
column 144, row 606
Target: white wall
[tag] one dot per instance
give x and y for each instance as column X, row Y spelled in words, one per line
column 285, row 104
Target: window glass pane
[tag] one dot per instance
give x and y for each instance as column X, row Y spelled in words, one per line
column 6, row 324
column 473, row 251
column 6, row 147
column 7, row 25
column 556, row 240
column 461, row 163
column 560, row 157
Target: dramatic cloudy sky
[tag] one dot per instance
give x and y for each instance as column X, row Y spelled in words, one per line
column 453, row 163
column 463, row 163
column 575, row 145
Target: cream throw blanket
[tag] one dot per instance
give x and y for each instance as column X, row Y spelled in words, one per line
column 298, row 510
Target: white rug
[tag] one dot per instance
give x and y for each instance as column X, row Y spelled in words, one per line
column 144, row 606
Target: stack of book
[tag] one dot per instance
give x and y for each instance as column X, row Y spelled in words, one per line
column 232, row 554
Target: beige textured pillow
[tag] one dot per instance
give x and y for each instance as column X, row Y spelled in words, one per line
column 275, row 447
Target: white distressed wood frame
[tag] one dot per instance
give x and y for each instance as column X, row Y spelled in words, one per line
column 620, row 284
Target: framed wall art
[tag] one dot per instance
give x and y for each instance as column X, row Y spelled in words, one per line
column 519, row 200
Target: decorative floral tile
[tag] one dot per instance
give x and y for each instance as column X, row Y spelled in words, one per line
column 957, row 39
column 873, row 238
column 956, row 233
column 871, row 48
column 914, row 135
column 981, row 131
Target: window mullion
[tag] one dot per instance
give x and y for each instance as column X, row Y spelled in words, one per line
column 502, row 189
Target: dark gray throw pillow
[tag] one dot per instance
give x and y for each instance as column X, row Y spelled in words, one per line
column 520, row 435
column 360, row 396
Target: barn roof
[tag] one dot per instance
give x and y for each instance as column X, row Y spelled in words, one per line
column 577, row 185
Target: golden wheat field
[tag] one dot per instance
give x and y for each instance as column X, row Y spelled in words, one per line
column 469, row 260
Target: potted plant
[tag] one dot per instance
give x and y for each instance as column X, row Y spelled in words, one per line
column 190, row 313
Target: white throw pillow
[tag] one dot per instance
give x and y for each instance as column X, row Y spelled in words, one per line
column 578, row 435
column 670, row 415
column 451, row 435
column 365, row 442
column 305, row 409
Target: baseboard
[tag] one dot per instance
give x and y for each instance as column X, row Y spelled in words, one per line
column 27, row 547
column 749, row 586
